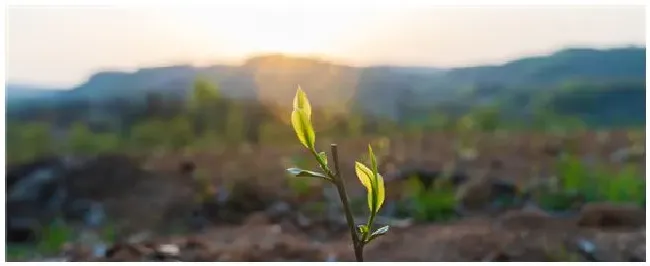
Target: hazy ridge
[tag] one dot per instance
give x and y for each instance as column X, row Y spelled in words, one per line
column 617, row 74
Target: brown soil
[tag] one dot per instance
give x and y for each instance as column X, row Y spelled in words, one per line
column 156, row 195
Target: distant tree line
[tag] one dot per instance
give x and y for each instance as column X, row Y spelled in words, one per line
column 206, row 119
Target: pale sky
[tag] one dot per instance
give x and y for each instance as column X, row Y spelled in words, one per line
column 63, row 46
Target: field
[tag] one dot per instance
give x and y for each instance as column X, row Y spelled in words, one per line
column 239, row 204
column 185, row 141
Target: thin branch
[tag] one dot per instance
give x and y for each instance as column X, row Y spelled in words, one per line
column 340, row 186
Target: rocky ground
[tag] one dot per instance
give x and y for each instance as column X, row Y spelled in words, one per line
column 256, row 214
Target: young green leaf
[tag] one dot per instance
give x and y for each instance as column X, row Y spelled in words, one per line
column 301, row 119
column 379, row 232
column 378, row 184
column 302, row 126
column 373, row 161
column 300, row 101
column 365, row 176
column 306, row 173
column 323, row 156
column 374, row 184
column 381, row 191
column 363, row 229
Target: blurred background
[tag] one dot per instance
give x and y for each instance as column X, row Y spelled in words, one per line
column 503, row 133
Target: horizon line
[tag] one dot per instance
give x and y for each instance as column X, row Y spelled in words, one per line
column 308, row 56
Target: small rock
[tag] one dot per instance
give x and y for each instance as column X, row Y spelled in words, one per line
column 168, row 250
column 611, row 215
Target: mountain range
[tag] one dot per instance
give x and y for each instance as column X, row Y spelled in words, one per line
column 617, row 74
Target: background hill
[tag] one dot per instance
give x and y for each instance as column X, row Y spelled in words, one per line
column 605, row 87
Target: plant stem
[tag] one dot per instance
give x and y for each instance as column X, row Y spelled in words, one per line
column 340, row 186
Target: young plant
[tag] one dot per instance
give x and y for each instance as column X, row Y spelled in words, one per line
column 436, row 203
column 361, row 234
column 578, row 183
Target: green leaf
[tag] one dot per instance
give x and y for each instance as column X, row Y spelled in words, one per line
column 300, row 101
column 373, row 160
column 323, row 156
column 301, row 119
column 379, row 232
column 381, row 191
column 378, row 181
column 306, row 173
column 365, row 176
column 304, row 130
column 374, row 184
column 362, row 229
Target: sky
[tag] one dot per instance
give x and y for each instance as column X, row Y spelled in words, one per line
column 63, row 46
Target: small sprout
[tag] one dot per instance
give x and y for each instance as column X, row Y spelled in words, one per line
column 370, row 178
column 363, row 230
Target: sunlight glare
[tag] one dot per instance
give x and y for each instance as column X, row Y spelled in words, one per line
column 289, row 31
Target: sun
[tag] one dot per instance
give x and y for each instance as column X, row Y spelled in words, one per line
column 287, row 41
column 265, row 30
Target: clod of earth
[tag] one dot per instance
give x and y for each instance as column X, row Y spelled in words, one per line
column 611, row 215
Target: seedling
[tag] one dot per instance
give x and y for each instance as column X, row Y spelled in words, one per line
column 436, row 203
column 361, row 234
column 578, row 182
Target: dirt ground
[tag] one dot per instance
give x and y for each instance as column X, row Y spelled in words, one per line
column 248, row 231
column 467, row 240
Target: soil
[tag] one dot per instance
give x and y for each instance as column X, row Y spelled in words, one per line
column 155, row 195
